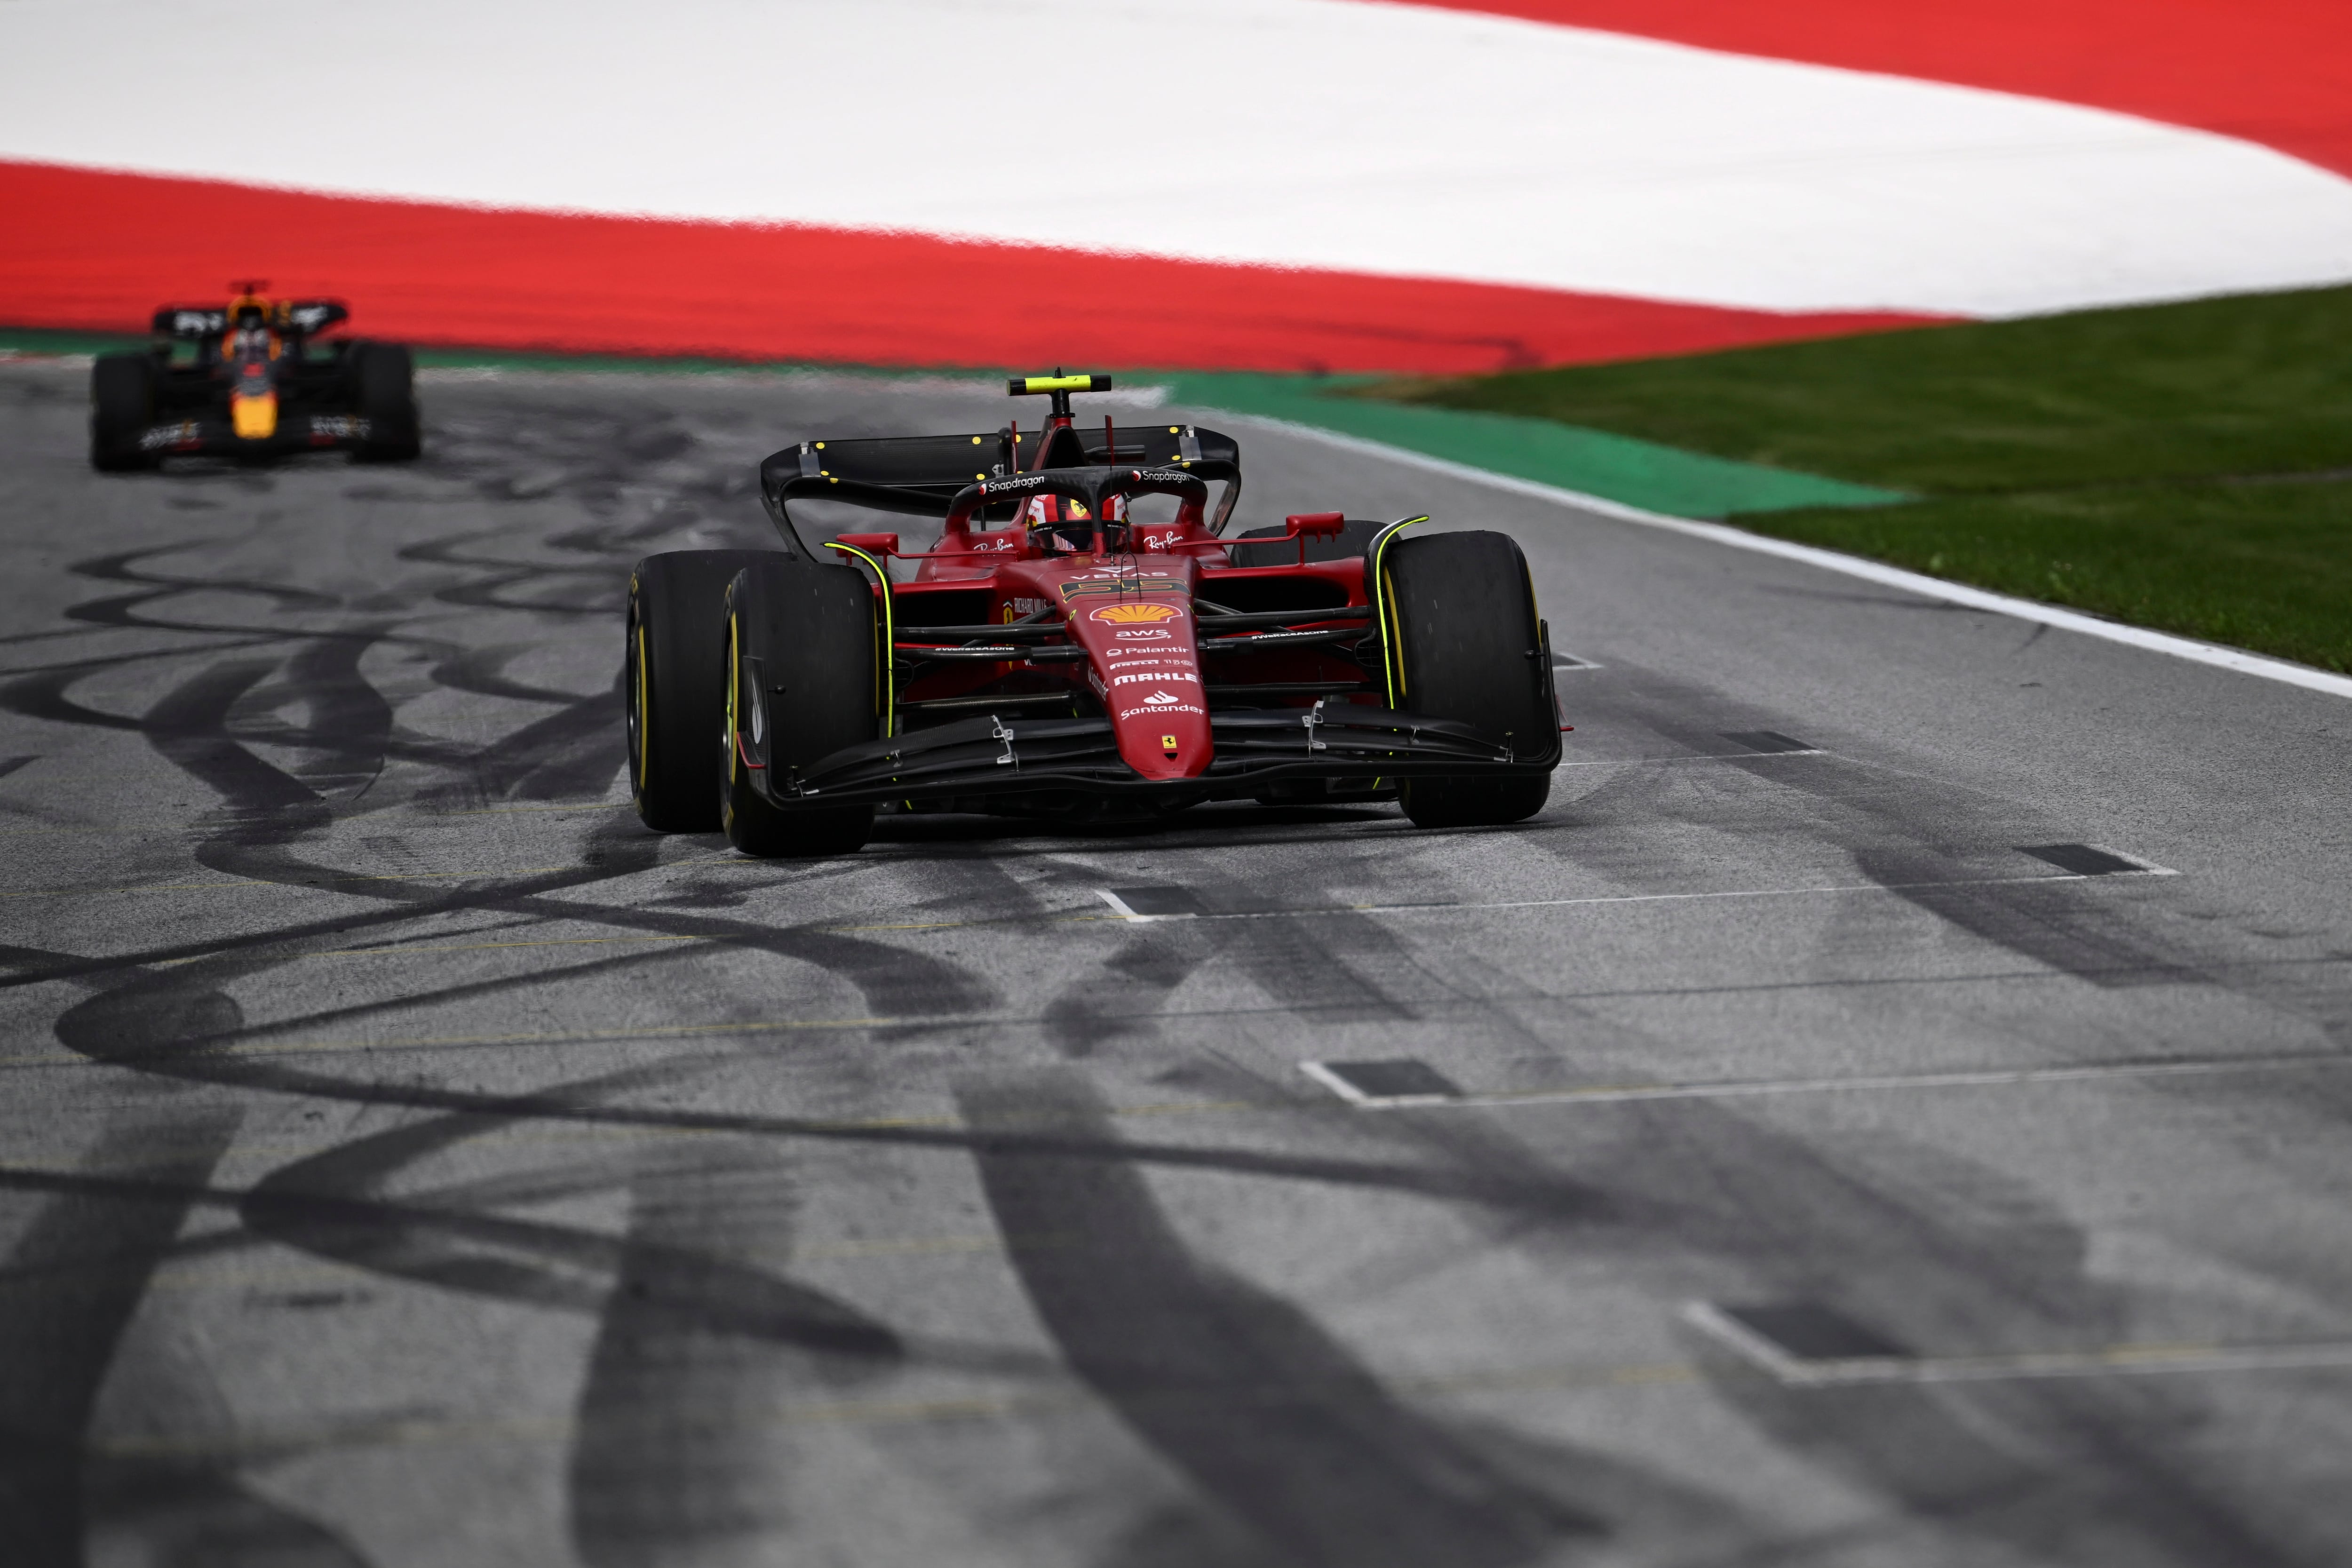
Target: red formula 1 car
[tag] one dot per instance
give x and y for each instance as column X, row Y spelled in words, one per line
column 1055, row 653
column 253, row 380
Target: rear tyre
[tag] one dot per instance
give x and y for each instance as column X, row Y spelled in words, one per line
column 383, row 393
column 802, row 684
column 1469, row 646
column 673, row 673
column 121, row 411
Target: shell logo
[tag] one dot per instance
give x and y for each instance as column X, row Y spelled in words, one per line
column 1136, row 614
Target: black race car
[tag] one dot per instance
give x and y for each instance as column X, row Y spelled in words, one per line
column 253, row 380
column 1083, row 638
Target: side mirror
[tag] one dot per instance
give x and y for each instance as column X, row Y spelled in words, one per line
column 1306, row 525
column 872, row 543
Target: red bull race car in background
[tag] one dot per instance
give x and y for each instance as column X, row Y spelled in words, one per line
column 253, row 380
column 1055, row 653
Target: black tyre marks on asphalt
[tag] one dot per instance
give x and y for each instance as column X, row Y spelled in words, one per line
column 1116, row 1004
column 1938, row 1253
column 189, row 729
column 676, row 1454
column 1901, row 1237
column 341, row 1203
column 1955, row 1258
column 1237, row 1389
column 2062, row 926
column 273, row 685
column 349, row 722
column 68, row 1290
column 573, row 753
column 1904, row 830
column 154, row 587
column 1338, row 969
column 185, row 1515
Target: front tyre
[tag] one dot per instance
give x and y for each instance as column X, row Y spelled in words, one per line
column 121, row 411
column 383, row 393
column 674, row 675
column 1468, row 646
column 802, row 683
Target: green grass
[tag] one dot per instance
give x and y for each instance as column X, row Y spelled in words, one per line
column 2187, row 467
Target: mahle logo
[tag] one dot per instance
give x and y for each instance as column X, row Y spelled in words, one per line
column 1136, row 614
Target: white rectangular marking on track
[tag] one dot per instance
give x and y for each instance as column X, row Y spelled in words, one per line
column 1355, row 1094
column 2111, row 1360
column 1128, row 911
column 1989, row 1078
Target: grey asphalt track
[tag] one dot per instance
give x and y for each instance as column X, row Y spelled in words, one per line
column 1828, row 1135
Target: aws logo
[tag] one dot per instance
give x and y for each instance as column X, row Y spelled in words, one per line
column 1136, row 614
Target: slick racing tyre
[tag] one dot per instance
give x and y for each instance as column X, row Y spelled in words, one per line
column 803, row 681
column 121, row 410
column 1469, row 646
column 674, row 675
column 383, row 393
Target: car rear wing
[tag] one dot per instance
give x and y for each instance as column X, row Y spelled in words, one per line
column 921, row 475
column 300, row 317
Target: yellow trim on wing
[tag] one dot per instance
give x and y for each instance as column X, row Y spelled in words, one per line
column 1383, row 595
column 644, row 716
column 885, row 678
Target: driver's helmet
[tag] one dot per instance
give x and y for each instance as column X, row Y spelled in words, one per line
column 1058, row 524
column 248, row 331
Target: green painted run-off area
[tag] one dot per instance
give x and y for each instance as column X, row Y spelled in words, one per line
column 1645, row 474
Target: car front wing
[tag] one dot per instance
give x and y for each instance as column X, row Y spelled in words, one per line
column 994, row 755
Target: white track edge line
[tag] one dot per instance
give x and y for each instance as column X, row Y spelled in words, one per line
column 2189, row 648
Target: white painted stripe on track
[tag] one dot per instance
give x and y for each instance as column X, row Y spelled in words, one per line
column 2105, row 1362
column 2235, row 658
column 1868, row 1083
column 1388, row 139
column 1595, row 900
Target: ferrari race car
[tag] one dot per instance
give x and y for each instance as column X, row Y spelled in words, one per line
column 252, row 380
column 1057, row 653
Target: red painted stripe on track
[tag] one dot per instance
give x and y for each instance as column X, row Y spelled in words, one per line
column 100, row 251
column 2275, row 72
